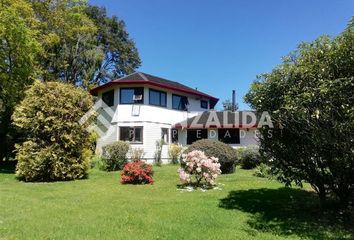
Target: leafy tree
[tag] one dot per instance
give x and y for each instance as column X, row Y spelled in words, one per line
column 120, row 54
column 83, row 46
column 69, row 41
column 56, row 146
column 19, row 49
column 310, row 98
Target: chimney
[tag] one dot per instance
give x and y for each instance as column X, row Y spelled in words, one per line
column 233, row 100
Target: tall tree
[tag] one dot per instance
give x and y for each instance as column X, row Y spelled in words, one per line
column 310, row 98
column 120, row 54
column 69, row 42
column 19, row 49
column 82, row 44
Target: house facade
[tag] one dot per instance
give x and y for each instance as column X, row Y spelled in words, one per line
column 145, row 109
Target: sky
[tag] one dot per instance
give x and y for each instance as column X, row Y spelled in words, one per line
column 221, row 45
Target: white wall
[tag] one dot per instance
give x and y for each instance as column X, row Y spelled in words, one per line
column 152, row 119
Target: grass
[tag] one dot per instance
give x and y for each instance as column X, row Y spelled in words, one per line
column 100, row 207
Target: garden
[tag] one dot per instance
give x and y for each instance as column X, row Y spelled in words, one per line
column 245, row 207
column 297, row 184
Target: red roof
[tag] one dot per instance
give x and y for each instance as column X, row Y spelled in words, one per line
column 147, row 79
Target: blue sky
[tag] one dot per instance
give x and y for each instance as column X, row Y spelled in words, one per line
column 220, row 45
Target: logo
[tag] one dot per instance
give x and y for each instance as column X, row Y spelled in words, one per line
column 102, row 126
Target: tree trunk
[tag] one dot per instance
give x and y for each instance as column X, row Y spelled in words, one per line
column 322, row 196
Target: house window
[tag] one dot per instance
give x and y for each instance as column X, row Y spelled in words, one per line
column 108, row 98
column 157, row 98
column 196, row 134
column 229, row 135
column 164, row 135
column 179, row 102
column 204, row 104
column 131, row 95
column 131, row 134
column 174, row 135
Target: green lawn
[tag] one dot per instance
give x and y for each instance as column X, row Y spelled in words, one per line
column 100, row 207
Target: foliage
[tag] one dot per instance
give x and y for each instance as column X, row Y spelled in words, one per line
column 18, row 63
column 174, row 152
column 159, row 144
column 136, row 154
column 82, row 44
column 239, row 151
column 263, row 171
column 250, row 157
column 226, row 155
column 310, row 99
column 56, row 146
column 114, row 155
column 97, row 163
column 69, row 40
column 120, row 54
column 197, row 165
column 137, row 173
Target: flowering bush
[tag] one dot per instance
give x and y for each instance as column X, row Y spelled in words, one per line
column 137, row 173
column 197, row 166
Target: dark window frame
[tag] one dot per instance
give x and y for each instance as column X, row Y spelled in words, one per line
column 132, row 127
column 163, row 135
column 234, row 139
column 133, row 101
column 191, row 132
column 111, row 94
column 181, row 102
column 174, row 137
column 160, row 92
column 205, row 102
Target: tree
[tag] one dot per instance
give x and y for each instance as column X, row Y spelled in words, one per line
column 56, row 145
column 69, row 41
column 227, row 105
column 83, row 46
column 310, row 98
column 120, row 54
column 19, row 50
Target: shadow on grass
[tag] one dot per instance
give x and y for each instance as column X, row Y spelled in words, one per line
column 8, row 167
column 287, row 211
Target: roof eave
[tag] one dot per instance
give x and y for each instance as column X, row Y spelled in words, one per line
column 95, row 90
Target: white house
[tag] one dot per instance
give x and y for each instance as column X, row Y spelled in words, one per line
column 148, row 108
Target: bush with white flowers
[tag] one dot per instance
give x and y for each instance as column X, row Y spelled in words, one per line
column 196, row 167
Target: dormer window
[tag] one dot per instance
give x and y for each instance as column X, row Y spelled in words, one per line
column 131, row 95
column 180, row 102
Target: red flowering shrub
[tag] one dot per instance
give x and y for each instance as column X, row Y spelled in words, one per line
column 137, row 173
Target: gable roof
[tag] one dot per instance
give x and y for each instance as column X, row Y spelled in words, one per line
column 144, row 78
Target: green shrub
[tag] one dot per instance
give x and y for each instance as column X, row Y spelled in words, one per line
column 97, row 163
column 114, row 155
column 239, row 151
column 263, row 171
column 174, row 152
column 226, row 154
column 56, row 146
column 250, row 157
